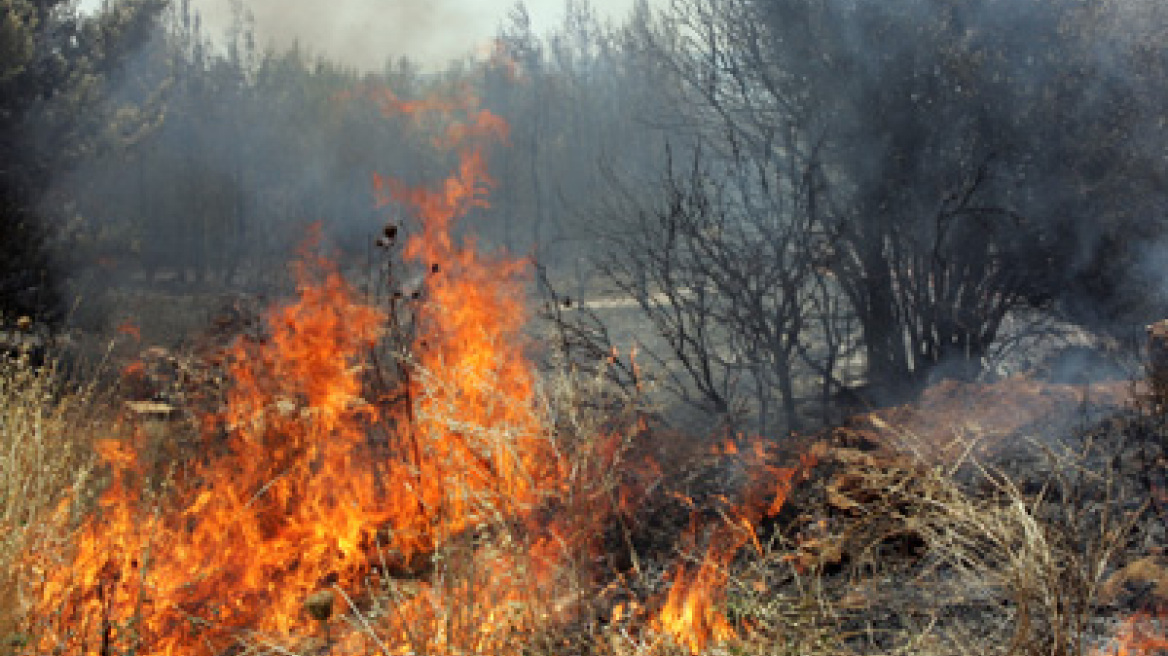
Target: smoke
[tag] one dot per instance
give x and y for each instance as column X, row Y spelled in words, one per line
column 909, row 96
column 224, row 161
column 367, row 33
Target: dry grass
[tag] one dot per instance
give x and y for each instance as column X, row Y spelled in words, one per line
column 1006, row 564
column 46, row 460
column 1002, row 564
column 503, row 586
column 954, row 559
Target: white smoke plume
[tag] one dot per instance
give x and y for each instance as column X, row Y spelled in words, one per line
column 366, row 34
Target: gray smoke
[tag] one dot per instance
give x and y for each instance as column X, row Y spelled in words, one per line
column 367, row 33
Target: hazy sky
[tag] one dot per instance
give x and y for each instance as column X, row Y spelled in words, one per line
column 367, row 32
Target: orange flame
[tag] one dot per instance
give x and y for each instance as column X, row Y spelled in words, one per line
column 1137, row 638
column 280, row 505
column 289, row 495
column 690, row 615
column 286, row 498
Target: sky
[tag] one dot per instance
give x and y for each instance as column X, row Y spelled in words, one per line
column 367, row 33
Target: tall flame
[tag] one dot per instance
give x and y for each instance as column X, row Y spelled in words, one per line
column 279, row 504
column 470, row 344
column 293, row 505
column 287, row 498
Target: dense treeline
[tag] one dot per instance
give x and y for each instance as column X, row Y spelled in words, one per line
column 55, row 70
column 254, row 146
column 792, row 192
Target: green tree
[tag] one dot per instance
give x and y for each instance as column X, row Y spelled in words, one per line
column 56, row 70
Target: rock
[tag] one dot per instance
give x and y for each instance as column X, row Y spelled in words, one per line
column 320, row 605
column 1147, row 576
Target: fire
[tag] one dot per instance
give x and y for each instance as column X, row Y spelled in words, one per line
column 287, row 499
column 452, row 522
column 691, row 615
column 278, row 506
column 1138, row 638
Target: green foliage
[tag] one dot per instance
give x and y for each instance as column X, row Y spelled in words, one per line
column 54, row 69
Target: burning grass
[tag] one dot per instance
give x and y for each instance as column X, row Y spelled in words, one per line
column 459, row 509
column 47, row 464
column 397, row 479
column 477, row 528
column 500, row 512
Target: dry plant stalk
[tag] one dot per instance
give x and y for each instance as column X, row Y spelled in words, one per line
column 46, row 460
column 1158, row 366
